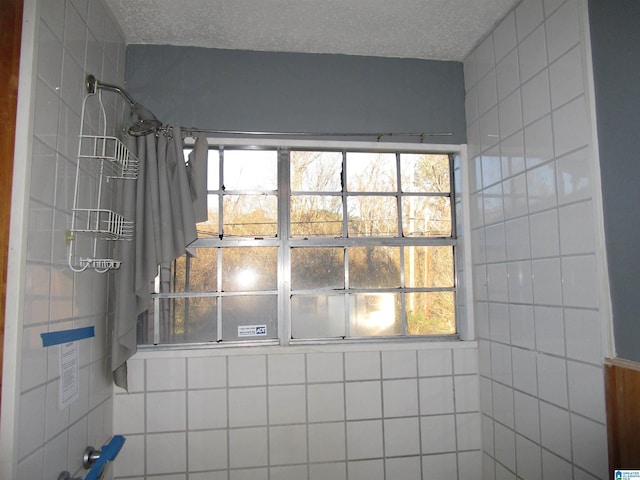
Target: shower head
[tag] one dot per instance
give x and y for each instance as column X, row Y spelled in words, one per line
column 142, row 120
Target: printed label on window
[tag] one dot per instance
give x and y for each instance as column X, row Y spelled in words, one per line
column 252, row 330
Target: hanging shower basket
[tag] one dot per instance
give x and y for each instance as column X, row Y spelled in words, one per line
column 100, row 159
column 118, row 161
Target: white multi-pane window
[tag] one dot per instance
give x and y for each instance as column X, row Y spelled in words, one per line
column 310, row 244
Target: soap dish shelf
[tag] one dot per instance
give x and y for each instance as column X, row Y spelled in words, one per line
column 118, row 161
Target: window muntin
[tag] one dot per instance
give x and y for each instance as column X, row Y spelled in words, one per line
column 324, row 244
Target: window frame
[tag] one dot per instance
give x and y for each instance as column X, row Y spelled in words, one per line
column 463, row 319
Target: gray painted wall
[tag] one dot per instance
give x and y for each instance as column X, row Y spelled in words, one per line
column 615, row 38
column 287, row 92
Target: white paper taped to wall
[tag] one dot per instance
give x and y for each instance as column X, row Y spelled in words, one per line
column 69, row 379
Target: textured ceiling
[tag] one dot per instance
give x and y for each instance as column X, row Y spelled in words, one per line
column 430, row 29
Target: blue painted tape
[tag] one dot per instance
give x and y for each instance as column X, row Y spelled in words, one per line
column 65, row 336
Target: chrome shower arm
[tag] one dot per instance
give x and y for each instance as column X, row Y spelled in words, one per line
column 143, row 121
column 93, row 85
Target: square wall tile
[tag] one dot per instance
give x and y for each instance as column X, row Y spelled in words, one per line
column 577, row 227
column 555, row 430
column 166, row 411
column 527, row 416
column 583, row 335
column 207, row 450
column 573, row 172
column 366, row 470
column 586, row 390
column 550, row 330
column 487, row 93
column 504, row 36
column 406, row 468
column 207, row 409
column 563, row 29
column 567, row 77
column 293, row 472
column 512, row 153
column 522, row 326
column 247, row 370
column 402, row 436
column 467, row 390
column 166, row 374
column 128, row 413
column 489, row 128
column 536, row 97
column 468, row 431
column 336, row 471
column 249, row 474
column 532, row 53
column 590, row 445
column 327, row 442
column 529, row 15
column 399, row 364
column 247, row 407
column 470, row 465
column 440, row 466
column 501, row 370
column 363, row 400
column 518, row 239
column 520, row 282
column 285, row 369
column 287, row 444
column 287, row 404
column 166, row 453
column 497, row 282
column 31, row 423
column 579, row 286
column 248, row 447
column 484, row 57
column 438, row 434
column 529, row 458
column 364, row 439
column 545, row 237
column 434, row 362
column 554, row 466
column 325, row 402
column 505, row 446
column 515, row 196
column 552, row 379
column 496, row 247
column 507, row 76
column 525, row 373
column 570, row 127
column 547, row 281
column 465, row 361
column 400, row 398
column 129, row 463
column 510, row 114
column 324, row 367
column 207, row 372
column 503, row 409
column 362, row 365
column 436, row 395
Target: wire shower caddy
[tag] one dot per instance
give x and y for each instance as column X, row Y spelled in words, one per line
column 111, row 160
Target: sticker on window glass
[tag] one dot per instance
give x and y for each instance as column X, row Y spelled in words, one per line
column 252, row 330
column 626, row 474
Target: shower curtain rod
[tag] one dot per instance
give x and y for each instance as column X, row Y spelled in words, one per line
column 188, row 132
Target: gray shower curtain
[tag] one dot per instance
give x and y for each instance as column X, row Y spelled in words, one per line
column 165, row 203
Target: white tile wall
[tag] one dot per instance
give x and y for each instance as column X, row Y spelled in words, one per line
column 535, row 247
column 369, row 413
column 73, row 38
